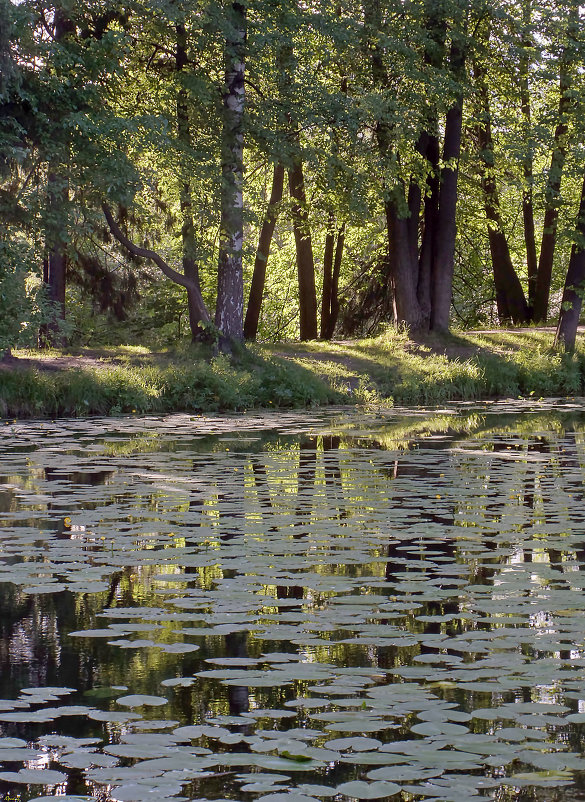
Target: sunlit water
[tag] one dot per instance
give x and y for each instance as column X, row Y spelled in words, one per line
column 295, row 607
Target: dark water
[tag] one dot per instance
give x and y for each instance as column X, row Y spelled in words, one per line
column 295, row 607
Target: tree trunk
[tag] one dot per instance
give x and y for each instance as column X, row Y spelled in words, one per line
column 557, row 163
column 262, row 254
column 429, row 235
column 197, row 309
column 415, row 199
column 406, row 307
column 327, row 277
column 335, row 283
column 229, row 312
column 444, row 257
column 510, row 298
column 574, row 285
column 190, row 267
column 56, row 234
column 527, row 195
column 402, row 270
column 304, row 251
column 55, row 261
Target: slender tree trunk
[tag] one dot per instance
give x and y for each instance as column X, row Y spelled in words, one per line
column 55, row 262
column 510, row 298
column 334, row 314
column 190, row 267
column 262, row 254
column 197, row 309
column 527, row 195
column 56, row 234
column 304, row 251
column 574, row 285
column 415, row 200
column 557, row 163
column 444, row 257
column 430, row 229
column 229, row 310
column 327, row 277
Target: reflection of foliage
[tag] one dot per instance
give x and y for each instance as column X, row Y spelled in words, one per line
column 382, row 584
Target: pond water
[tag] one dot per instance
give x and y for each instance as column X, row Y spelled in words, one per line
column 295, row 607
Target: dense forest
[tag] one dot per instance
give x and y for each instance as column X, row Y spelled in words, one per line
column 272, row 170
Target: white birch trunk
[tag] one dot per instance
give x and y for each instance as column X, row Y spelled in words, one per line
column 229, row 313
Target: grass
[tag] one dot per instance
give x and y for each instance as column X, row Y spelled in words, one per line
column 385, row 370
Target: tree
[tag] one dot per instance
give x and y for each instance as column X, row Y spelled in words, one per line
column 574, row 284
column 229, row 311
column 262, row 254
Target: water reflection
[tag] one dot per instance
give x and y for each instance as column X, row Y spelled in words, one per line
column 382, row 600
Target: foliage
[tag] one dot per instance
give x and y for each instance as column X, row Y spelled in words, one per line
column 101, row 103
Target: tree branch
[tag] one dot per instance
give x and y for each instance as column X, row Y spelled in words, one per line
column 146, row 253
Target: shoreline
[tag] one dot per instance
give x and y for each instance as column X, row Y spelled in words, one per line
column 389, row 370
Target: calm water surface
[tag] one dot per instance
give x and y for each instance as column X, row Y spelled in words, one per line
column 295, row 607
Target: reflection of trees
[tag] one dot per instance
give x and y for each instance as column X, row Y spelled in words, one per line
column 38, row 624
column 236, row 645
column 306, row 475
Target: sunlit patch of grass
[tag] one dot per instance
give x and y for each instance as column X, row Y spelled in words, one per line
column 504, row 363
column 384, row 370
column 197, row 385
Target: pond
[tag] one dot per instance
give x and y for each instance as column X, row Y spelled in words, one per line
column 291, row 607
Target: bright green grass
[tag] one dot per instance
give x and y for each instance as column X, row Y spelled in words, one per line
column 385, row 370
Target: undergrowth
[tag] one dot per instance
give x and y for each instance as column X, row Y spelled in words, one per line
column 214, row 385
column 388, row 369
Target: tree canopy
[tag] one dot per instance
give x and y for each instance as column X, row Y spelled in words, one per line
column 310, row 169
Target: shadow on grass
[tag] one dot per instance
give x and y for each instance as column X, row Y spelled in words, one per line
column 390, row 368
column 433, row 369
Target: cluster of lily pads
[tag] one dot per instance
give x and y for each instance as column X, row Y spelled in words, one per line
column 409, row 619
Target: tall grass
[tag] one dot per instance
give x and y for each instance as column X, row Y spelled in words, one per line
column 389, row 369
column 201, row 386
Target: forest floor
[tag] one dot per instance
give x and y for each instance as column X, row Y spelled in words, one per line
column 344, row 352
column 392, row 368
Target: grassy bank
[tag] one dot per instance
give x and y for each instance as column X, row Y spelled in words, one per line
column 385, row 370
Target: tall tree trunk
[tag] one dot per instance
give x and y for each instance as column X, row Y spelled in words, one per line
column 415, row 200
column 428, row 146
column 190, row 267
column 262, row 254
column 557, row 163
column 574, row 285
column 229, row 312
column 510, row 298
column 327, row 276
column 406, row 307
column 56, row 234
column 55, row 261
column 430, row 229
column 332, row 266
column 402, row 270
column 527, row 195
column 334, row 314
column 304, row 252
column 444, row 257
